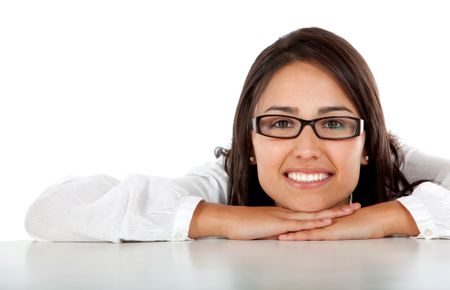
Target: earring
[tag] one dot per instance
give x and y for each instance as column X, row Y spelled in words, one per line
column 252, row 159
column 350, row 201
column 366, row 158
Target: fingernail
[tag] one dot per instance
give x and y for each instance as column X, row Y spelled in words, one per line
column 327, row 220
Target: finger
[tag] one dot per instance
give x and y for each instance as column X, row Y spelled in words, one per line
column 269, row 238
column 309, row 235
column 331, row 213
column 301, row 225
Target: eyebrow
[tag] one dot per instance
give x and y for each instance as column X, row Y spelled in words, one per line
column 323, row 110
column 286, row 109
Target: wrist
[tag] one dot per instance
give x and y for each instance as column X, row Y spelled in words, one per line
column 208, row 220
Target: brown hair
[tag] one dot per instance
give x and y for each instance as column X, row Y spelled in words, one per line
column 380, row 180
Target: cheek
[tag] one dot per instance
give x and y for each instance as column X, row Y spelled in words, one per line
column 346, row 157
column 270, row 155
column 269, row 152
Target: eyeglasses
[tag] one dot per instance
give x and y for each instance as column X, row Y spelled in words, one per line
column 287, row 127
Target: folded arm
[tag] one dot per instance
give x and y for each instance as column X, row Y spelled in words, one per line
column 141, row 208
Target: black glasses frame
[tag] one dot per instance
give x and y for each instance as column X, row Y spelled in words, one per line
column 257, row 128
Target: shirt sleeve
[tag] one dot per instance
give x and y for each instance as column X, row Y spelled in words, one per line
column 429, row 203
column 138, row 208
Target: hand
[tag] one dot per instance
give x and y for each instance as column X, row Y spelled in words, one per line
column 246, row 223
column 372, row 222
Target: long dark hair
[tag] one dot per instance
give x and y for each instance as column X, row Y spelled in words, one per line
column 380, row 180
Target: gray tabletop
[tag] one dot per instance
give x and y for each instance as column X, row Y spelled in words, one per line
column 393, row 263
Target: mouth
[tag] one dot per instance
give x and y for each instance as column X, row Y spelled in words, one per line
column 304, row 180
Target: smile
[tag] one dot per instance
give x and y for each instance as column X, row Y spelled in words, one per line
column 303, row 177
column 308, row 180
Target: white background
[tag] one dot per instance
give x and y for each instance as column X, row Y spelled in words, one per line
column 123, row 87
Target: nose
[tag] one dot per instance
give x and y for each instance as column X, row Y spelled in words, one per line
column 307, row 145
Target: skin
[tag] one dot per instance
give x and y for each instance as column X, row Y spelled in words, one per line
column 301, row 90
column 372, row 222
column 265, row 222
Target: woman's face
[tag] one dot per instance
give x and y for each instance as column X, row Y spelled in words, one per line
column 305, row 91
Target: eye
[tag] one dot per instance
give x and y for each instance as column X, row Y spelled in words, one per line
column 282, row 123
column 333, row 124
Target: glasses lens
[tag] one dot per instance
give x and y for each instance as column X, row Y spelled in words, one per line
column 279, row 126
column 336, row 127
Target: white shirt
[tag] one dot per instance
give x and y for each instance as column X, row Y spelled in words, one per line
column 149, row 208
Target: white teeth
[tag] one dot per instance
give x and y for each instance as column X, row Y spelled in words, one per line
column 302, row 177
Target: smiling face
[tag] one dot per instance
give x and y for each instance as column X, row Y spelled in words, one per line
column 307, row 173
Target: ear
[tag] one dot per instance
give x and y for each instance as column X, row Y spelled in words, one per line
column 252, row 158
column 364, row 158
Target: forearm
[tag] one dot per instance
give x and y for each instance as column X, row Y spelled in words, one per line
column 208, row 220
column 247, row 223
column 395, row 219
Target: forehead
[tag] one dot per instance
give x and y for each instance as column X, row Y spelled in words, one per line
column 304, row 86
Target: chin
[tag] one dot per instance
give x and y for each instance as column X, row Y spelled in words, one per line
column 306, row 206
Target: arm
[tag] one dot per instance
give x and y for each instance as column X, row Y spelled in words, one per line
column 419, row 165
column 247, row 223
column 145, row 208
column 372, row 222
column 429, row 204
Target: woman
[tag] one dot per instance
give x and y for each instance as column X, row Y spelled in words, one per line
column 308, row 138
